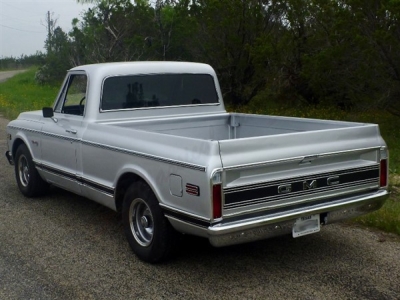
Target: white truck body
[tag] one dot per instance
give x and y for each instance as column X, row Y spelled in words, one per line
column 229, row 177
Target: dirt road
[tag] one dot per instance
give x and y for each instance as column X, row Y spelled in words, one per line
column 4, row 75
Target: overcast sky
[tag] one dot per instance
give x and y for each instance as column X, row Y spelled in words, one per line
column 21, row 29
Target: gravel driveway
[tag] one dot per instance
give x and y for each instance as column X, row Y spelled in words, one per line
column 4, row 75
column 65, row 247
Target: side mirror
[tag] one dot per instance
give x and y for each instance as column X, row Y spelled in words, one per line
column 47, row 112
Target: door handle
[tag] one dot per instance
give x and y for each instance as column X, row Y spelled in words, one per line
column 71, row 131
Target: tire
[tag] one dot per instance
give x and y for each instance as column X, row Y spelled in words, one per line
column 28, row 179
column 148, row 231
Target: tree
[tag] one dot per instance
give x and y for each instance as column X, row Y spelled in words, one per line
column 340, row 52
column 57, row 56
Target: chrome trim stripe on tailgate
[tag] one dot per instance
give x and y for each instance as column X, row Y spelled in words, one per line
column 270, row 191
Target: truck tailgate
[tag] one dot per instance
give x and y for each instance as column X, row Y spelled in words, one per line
column 272, row 172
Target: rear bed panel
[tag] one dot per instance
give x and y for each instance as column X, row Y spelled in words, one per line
column 297, row 146
column 284, row 171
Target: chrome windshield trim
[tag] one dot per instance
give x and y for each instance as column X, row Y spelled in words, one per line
column 157, row 107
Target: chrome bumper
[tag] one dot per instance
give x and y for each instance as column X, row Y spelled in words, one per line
column 264, row 227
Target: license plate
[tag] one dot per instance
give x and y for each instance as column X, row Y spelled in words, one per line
column 306, row 225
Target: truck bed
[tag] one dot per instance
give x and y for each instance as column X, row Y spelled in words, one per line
column 232, row 126
column 258, row 152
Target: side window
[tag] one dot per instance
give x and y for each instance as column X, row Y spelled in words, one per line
column 73, row 98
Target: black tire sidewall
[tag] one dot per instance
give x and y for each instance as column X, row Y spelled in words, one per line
column 161, row 244
column 34, row 185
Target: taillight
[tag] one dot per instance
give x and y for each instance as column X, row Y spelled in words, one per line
column 383, row 176
column 216, row 182
column 217, row 201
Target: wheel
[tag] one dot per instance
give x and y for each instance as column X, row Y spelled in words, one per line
column 28, row 179
column 148, row 231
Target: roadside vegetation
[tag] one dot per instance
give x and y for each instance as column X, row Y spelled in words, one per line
column 22, row 62
column 22, row 93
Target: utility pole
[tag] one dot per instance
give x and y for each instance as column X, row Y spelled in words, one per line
column 48, row 22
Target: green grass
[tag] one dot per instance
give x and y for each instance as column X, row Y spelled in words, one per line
column 21, row 93
column 388, row 217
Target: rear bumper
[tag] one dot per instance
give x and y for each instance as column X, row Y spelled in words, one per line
column 9, row 158
column 252, row 229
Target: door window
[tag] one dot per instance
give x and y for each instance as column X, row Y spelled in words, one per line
column 73, row 98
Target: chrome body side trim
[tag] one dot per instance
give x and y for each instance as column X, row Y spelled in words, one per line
column 179, row 214
column 121, row 150
column 147, row 156
column 23, row 129
column 83, row 181
column 62, row 137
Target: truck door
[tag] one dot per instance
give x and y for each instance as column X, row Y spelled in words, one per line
column 61, row 138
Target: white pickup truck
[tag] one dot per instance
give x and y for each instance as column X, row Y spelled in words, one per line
column 153, row 141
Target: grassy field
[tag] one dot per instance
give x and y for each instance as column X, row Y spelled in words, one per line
column 21, row 94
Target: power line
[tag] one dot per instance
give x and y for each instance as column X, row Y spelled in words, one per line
column 20, row 29
column 16, row 19
column 15, row 7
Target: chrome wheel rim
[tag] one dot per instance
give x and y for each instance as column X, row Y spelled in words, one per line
column 141, row 222
column 23, row 170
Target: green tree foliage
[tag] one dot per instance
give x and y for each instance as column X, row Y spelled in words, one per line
column 57, row 58
column 108, row 32
column 22, row 62
column 342, row 52
column 225, row 36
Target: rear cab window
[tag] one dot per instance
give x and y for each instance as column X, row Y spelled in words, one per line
column 157, row 90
